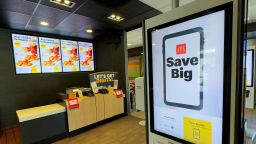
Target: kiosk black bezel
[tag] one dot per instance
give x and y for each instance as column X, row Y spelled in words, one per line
column 228, row 8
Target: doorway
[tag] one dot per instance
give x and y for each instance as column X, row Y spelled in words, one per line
column 136, row 73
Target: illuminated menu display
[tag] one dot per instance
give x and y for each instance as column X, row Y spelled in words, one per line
column 26, row 54
column 33, row 54
column 70, row 60
column 86, row 56
column 50, row 55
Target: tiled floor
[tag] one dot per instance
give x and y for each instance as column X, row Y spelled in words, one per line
column 122, row 131
column 125, row 130
column 138, row 114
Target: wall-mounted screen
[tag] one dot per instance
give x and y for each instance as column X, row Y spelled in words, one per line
column 70, row 59
column 50, row 55
column 187, row 71
column 86, row 56
column 26, row 54
column 33, row 54
column 249, row 67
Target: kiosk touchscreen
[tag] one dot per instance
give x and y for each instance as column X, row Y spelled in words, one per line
column 188, row 68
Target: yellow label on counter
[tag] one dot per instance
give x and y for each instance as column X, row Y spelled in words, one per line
column 197, row 131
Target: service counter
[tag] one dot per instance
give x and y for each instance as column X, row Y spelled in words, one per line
column 41, row 123
column 44, row 122
column 94, row 109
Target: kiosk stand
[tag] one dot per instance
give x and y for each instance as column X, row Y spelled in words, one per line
column 193, row 73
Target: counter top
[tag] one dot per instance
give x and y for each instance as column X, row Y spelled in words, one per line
column 41, row 111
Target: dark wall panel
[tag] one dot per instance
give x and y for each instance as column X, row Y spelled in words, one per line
column 111, row 57
column 25, row 91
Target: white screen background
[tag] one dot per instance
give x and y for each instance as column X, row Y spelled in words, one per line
column 169, row 119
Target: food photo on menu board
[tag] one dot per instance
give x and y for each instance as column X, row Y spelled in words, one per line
column 70, row 60
column 86, row 56
column 26, row 54
column 50, row 55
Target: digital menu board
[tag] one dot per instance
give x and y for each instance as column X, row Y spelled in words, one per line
column 187, row 70
column 86, row 56
column 26, row 54
column 249, row 67
column 70, row 59
column 50, row 55
column 34, row 54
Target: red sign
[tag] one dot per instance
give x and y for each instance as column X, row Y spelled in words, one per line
column 181, row 48
column 73, row 103
column 119, row 93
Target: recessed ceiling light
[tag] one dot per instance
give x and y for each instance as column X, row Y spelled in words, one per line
column 67, row 2
column 89, row 31
column 118, row 17
column 142, row 53
column 115, row 17
column 129, row 44
column 44, row 23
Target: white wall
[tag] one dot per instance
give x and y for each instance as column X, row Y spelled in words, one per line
column 184, row 2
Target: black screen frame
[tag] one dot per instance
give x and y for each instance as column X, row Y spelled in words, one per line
column 228, row 8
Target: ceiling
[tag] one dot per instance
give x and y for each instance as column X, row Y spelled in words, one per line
column 163, row 6
column 134, row 37
column 27, row 15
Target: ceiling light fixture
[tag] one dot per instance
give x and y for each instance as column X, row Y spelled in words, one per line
column 44, row 23
column 129, row 44
column 118, row 17
column 89, row 30
column 115, row 17
column 142, row 53
column 66, row 3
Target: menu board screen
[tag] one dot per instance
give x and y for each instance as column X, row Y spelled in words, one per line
column 70, row 60
column 50, row 55
column 26, row 54
column 86, row 56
